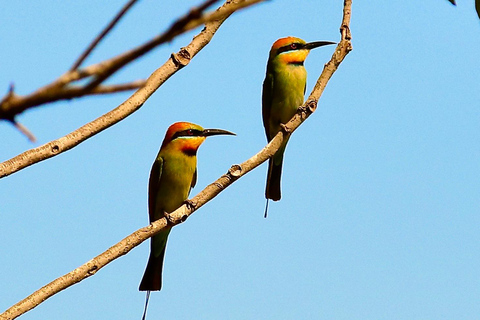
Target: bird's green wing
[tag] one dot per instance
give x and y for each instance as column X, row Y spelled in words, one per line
column 267, row 96
column 194, row 180
column 153, row 183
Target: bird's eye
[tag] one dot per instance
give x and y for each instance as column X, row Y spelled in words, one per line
column 293, row 46
column 190, row 132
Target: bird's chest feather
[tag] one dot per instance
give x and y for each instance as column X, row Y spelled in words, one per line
column 288, row 92
column 175, row 182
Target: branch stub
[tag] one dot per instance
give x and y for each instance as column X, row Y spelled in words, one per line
column 182, row 58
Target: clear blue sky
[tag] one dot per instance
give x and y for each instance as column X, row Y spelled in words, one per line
column 381, row 187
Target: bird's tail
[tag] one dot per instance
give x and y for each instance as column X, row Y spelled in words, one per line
column 152, row 278
column 272, row 190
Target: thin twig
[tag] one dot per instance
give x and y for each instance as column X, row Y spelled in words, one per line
column 181, row 214
column 77, row 91
column 24, row 130
column 105, row 89
column 190, row 21
column 102, row 35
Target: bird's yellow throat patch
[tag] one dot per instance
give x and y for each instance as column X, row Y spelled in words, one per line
column 295, row 57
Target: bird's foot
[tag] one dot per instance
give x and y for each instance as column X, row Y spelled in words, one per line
column 285, row 128
column 170, row 218
column 190, row 207
column 190, row 204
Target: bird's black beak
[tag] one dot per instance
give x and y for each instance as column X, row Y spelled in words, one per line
column 316, row 44
column 214, row 132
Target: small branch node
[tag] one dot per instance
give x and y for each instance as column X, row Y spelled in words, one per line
column 345, row 32
column 182, row 58
column 235, row 171
column 190, row 205
column 349, row 47
column 55, row 148
column 93, row 269
column 311, row 105
column 170, row 218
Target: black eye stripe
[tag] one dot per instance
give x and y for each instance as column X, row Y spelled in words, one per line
column 187, row 133
column 290, row 47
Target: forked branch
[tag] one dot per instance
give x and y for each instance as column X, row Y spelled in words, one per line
column 62, row 88
column 57, row 91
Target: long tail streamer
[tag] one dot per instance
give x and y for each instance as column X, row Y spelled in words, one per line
column 146, row 305
column 266, row 210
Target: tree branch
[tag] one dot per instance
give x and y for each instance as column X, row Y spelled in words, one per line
column 212, row 190
column 174, row 63
column 78, row 91
column 118, row 87
column 12, row 104
column 177, row 28
column 24, row 130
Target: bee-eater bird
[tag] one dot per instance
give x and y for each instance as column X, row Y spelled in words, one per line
column 173, row 174
column 283, row 92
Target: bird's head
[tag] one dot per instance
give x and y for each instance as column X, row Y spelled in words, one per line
column 291, row 50
column 187, row 137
